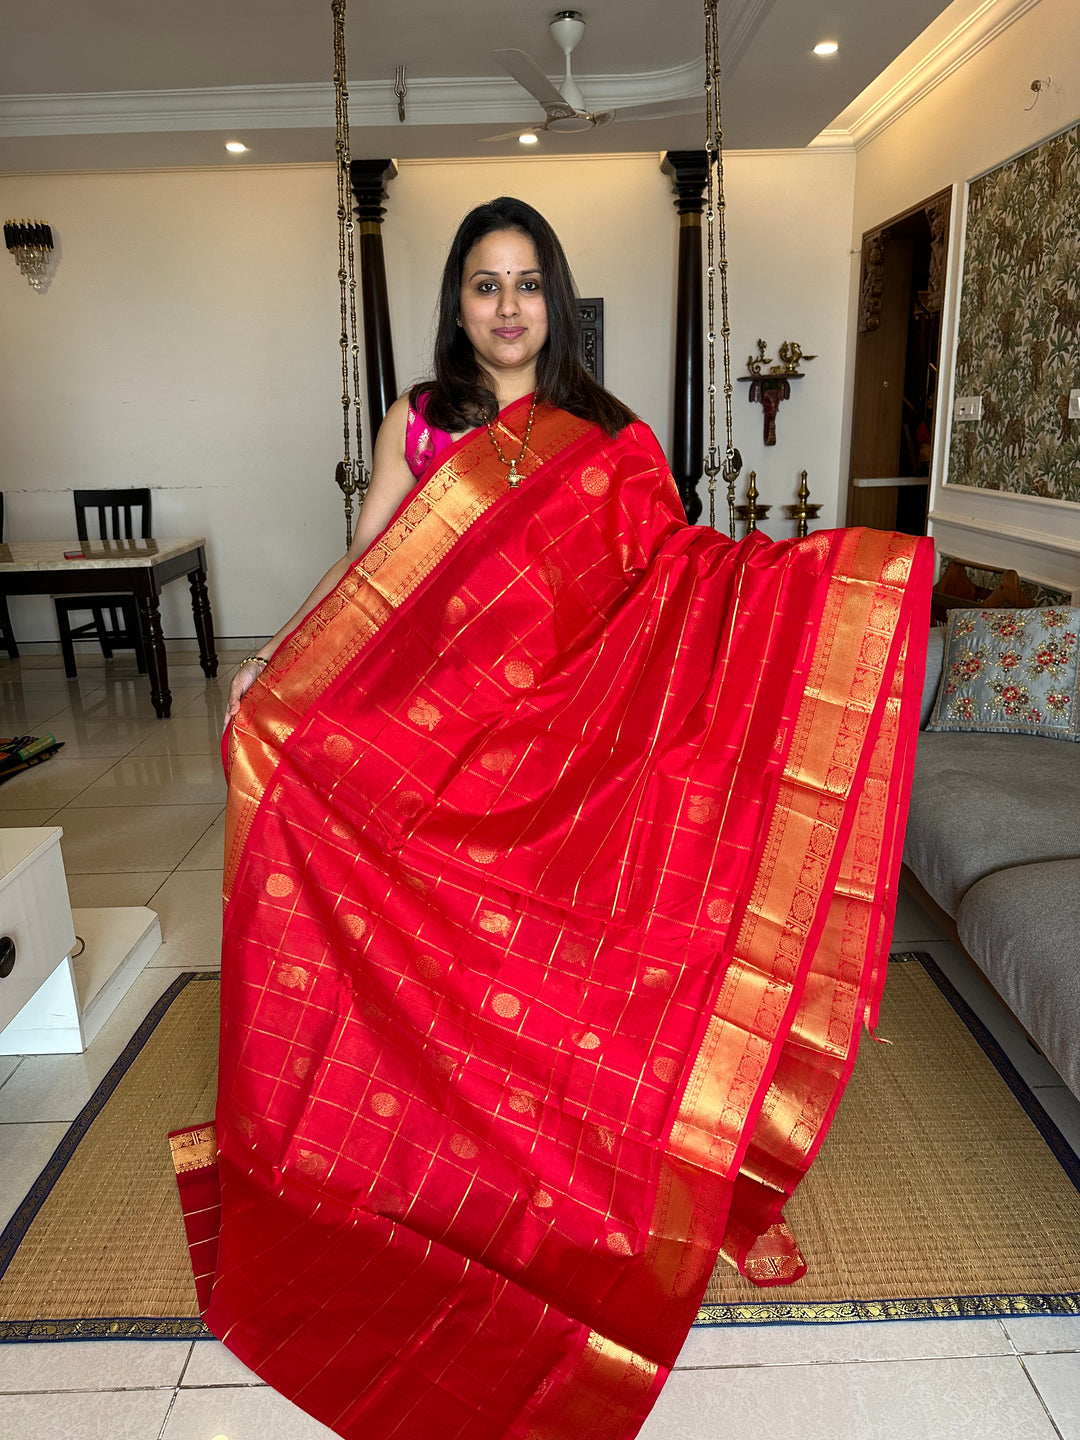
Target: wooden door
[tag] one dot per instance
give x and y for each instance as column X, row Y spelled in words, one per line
column 896, row 358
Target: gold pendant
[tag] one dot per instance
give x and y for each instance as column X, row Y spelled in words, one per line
column 513, row 479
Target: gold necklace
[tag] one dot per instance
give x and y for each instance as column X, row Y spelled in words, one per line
column 513, row 479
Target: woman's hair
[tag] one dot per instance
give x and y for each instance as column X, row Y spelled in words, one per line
column 460, row 395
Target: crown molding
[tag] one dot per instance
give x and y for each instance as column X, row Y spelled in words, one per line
column 832, row 142
column 477, row 101
column 884, row 103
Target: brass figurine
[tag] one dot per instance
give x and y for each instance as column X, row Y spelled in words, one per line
column 755, row 363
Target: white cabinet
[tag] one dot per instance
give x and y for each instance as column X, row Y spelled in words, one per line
column 61, row 973
column 35, row 916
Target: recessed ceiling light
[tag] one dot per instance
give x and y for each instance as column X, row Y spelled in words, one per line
column 235, row 147
column 528, row 138
column 826, row 47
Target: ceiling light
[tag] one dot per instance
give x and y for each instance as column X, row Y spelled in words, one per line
column 826, row 47
column 235, row 147
column 528, row 138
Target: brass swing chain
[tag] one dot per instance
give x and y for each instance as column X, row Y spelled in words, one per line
column 351, row 474
column 730, row 463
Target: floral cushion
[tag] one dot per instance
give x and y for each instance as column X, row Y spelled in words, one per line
column 1011, row 670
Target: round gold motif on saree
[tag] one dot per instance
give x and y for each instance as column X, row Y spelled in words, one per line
column 802, row 907
column 522, row 1102
column 384, row 1104
column 482, row 854
column 821, row 841
column 719, row 911
column 586, row 1040
column 838, row 780
column 310, row 1162
column 603, row 1137
column 702, row 810
column 665, row 1069
column 619, row 1244
column 301, row 1065
column 456, row 609
column 428, row 967
column 494, row 923
column 339, row 748
column 500, row 761
column 656, row 978
column 293, row 977
column 595, row 481
column 519, row 673
column 424, row 714
column 551, row 575
column 341, row 831
column 574, row 953
column 508, row 1006
column 463, row 1147
column 279, row 885
column 542, row 1200
column 409, row 804
column 354, row 925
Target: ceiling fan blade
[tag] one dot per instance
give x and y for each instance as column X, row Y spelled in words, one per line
column 509, row 134
column 662, row 109
column 528, row 74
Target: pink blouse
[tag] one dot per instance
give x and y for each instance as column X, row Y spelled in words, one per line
column 423, row 442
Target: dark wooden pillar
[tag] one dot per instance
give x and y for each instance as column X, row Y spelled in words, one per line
column 689, row 174
column 369, row 179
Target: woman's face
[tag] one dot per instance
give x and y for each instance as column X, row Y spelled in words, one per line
column 503, row 311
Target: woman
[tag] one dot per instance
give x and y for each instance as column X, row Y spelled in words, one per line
column 562, row 844
column 494, row 346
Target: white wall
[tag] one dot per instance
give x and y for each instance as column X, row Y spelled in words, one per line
column 972, row 122
column 188, row 341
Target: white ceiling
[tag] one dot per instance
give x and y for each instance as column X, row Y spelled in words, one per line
column 116, row 84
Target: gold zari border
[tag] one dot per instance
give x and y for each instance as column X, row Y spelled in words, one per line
column 194, row 1149
column 425, row 533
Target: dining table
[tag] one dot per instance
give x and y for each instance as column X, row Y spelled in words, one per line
column 104, row 567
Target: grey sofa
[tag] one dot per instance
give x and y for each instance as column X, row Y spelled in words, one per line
column 993, row 846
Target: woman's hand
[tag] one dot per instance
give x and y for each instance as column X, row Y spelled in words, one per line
column 250, row 669
column 391, row 481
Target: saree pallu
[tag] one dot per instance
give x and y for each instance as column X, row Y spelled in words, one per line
column 562, row 842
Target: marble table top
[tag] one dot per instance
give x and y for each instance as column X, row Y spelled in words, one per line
column 96, row 554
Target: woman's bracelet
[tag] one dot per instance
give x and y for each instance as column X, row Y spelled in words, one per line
column 248, row 659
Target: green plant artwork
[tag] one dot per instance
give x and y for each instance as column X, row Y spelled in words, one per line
column 1018, row 345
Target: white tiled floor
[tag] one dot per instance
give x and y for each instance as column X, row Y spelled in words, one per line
column 140, row 801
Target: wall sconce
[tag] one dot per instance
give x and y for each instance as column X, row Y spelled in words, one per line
column 31, row 244
column 768, row 388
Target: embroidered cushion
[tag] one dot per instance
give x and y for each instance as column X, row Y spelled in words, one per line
column 1011, row 671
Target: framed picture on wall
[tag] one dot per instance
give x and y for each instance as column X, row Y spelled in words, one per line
column 591, row 325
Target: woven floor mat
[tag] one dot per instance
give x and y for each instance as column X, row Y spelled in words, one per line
column 942, row 1188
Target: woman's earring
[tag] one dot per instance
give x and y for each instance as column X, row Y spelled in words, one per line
column 459, row 322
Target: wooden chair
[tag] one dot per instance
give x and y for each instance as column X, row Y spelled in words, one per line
column 957, row 591
column 115, row 625
column 7, row 635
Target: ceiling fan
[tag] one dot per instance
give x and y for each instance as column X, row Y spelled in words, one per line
column 564, row 107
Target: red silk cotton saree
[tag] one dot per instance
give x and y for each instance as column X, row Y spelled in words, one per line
column 562, row 843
